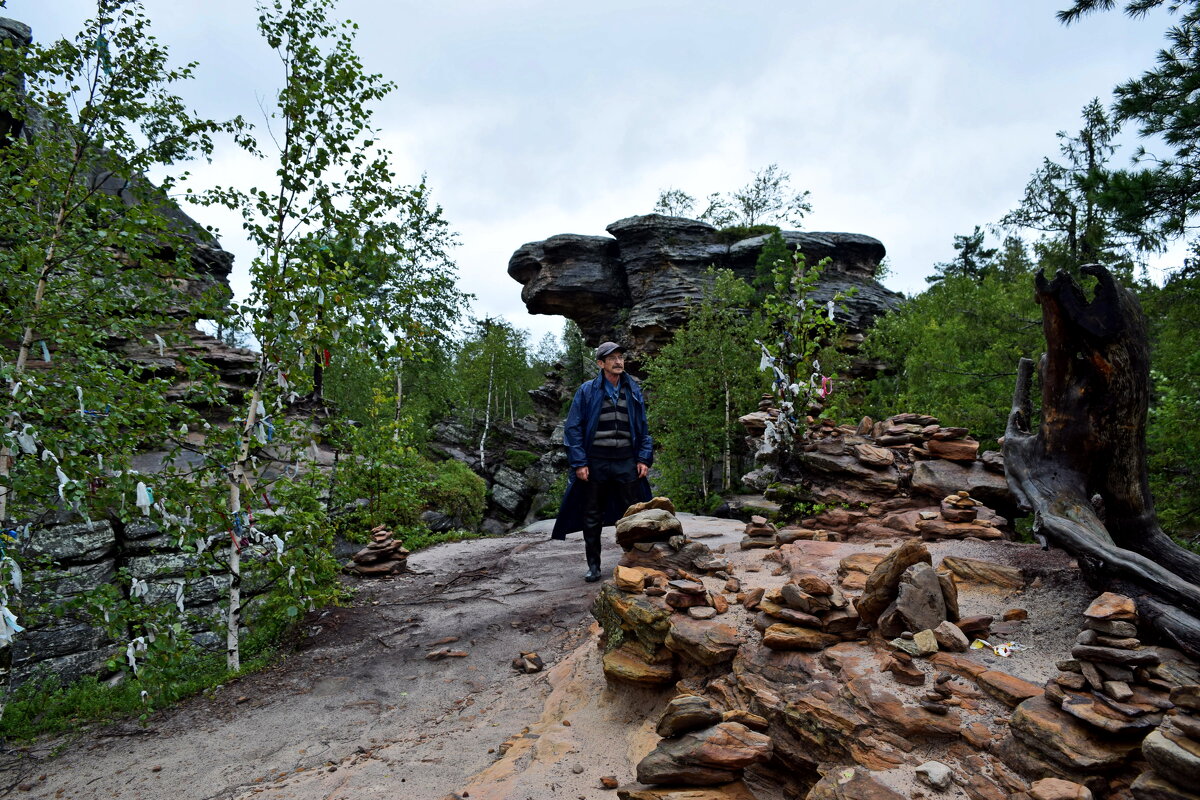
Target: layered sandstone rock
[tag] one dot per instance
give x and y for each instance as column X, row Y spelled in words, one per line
column 640, row 286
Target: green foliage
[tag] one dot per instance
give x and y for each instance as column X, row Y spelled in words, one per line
column 1174, row 453
column 767, row 200
column 1154, row 202
column 699, row 384
column 736, row 233
column 1065, row 203
column 579, row 363
column 801, row 348
column 554, row 497
column 955, row 349
column 774, row 252
column 385, row 480
column 520, row 460
column 452, row 488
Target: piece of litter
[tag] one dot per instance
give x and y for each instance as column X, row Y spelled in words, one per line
column 1004, row 649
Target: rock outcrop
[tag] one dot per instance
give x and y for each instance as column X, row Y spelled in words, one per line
column 638, row 286
column 786, row 682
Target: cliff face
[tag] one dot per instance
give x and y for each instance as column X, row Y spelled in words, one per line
column 637, row 285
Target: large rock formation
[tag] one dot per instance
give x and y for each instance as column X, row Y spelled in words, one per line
column 637, row 286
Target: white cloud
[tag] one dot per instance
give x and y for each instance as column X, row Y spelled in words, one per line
column 909, row 122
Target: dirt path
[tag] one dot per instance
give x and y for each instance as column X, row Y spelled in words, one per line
column 361, row 712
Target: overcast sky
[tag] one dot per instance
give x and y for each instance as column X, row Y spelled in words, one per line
column 910, row 121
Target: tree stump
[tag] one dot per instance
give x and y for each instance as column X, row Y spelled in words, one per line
column 1083, row 474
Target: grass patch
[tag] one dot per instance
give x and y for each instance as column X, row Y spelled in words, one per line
column 45, row 707
column 418, row 539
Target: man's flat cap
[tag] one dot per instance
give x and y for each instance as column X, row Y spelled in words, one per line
column 608, row 348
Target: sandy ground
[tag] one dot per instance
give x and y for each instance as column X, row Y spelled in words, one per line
column 359, row 711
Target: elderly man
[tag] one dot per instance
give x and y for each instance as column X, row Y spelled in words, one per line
column 609, row 451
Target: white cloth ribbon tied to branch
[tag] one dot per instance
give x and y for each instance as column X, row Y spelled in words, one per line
column 162, row 346
column 138, row 588
column 135, row 648
column 9, row 626
column 144, row 498
column 26, row 440
column 63, row 480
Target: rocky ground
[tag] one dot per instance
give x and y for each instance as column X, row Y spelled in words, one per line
column 367, row 706
column 412, row 693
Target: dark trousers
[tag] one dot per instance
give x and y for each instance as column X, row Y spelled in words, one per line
column 614, row 479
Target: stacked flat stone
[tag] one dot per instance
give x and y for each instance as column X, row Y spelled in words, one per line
column 1107, row 684
column 806, row 613
column 383, row 556
column 759, row 533
column 957, row 518
column 646, row 523
column 702, row 746
column 656, row 615
column 1173, row 751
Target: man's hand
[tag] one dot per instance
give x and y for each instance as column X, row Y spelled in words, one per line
column 582, row 473
column 642, row 470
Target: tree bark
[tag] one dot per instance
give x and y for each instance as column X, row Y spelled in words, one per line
column 1083, row 474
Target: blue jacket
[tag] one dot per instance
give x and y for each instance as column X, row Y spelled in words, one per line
column 578, row 432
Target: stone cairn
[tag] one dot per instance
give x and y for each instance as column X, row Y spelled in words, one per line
column 882, row 479
column 1106, row 683
column 806, row 613
column 1173, row 751
column 382, row 557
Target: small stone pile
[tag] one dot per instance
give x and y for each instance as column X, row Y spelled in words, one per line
column 1173, row 750
column 1106, row 684
column 958, row 518
column 648, row 522
column 655, row 611
column 702, row 746
column 806, row 613
column 383, row 556
column 759, row 533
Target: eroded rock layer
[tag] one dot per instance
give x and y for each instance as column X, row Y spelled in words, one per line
column 638, row 286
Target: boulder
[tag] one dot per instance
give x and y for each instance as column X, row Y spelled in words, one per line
column 626, row 665
column 662, row 503
column 1069, row 743
column 974, row 570
column 882, row 584
column 940, row 477
column 950, row 638
column 725, row 791
column 782, row 636
column 686, row 713
column 953, row 449
column 1058, row 789
column 1174, row 757
column 852, row 783
column 702, row 641
column 919, row 604
column 1111, row 606
column 705, row 757
column 1151, row 786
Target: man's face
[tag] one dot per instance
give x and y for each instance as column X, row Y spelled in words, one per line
column 612, row 365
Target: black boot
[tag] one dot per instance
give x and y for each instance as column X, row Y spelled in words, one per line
column 591, row 548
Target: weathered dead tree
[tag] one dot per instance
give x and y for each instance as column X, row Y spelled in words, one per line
column 1083, row 474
